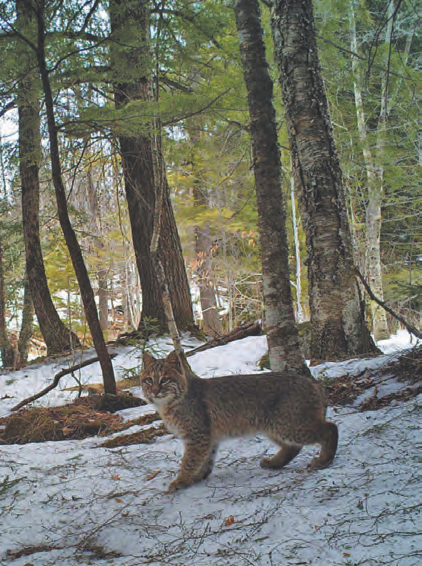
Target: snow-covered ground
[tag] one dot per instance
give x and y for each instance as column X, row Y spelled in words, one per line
column 74, row 502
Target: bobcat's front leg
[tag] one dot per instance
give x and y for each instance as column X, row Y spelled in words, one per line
column 195, row 456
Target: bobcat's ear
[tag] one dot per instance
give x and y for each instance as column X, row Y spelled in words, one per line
column 173, row 360
column 147, row 360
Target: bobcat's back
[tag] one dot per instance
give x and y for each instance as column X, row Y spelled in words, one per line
column 288, row 408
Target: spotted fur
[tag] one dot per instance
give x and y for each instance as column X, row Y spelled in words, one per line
column 288, row 409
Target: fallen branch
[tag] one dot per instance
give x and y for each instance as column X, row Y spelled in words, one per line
column 409, row 327
column 56, row 380
column 248, row 329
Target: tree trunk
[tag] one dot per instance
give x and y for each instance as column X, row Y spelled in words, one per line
column 6, row 348
column 373, row 208
column 98, row 244
column 57, row 337
column 299, row 310
column 25, row 333
column 211, row 320
column 72, row 243
column 133, row 82
column 338, row 325
column 282, row 335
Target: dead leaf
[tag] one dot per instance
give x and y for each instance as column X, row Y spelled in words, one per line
column 346, row 554
column 115, row 477
column 229, row 521
column 118, row 500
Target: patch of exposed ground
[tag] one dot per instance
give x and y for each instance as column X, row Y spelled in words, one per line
column 407, row 368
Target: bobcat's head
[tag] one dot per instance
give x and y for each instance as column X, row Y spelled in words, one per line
column 162, row 381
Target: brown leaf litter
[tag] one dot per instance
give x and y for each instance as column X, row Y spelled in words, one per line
column 85, row 417
column 408, row 367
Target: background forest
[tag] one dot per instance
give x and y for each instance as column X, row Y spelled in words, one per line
column 99, row 100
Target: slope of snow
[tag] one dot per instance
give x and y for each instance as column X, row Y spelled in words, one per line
column 75, row 502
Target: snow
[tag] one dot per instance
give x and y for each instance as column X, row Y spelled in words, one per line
column 80, row 503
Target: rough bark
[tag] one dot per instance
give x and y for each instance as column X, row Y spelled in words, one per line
column 57, row 336
column 338, row 325
column 25, row 333
column 87, row 294
column 282, row 335
column 133, row 83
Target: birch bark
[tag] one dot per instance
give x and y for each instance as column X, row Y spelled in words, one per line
column 282, row 335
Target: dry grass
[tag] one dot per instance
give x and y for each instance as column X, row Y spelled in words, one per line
column 146, row 436
column 78, row 420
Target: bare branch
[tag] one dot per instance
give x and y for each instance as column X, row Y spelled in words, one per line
column 56, row 380
column 410, row 328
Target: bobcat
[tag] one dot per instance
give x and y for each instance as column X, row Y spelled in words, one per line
column 287, row 408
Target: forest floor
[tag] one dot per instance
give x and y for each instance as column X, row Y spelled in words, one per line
column 79, row 502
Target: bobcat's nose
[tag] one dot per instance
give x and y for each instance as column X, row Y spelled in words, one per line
column 155, row 389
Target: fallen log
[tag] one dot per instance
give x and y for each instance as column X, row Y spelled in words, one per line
column 56, row 380
column 248, row 329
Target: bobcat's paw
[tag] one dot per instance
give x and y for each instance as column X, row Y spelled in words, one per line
column 318, row 464
column 268, row 464
column 176, row 485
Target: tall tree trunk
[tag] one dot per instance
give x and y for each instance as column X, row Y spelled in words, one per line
column 211, row 320
column 338, row 325
column 282, row 335
column 72, row 243
column 98, row 244
column 6, row 348
column 375, row 190
column 299, row 316
column 27, row 324
column 133, row 82
column 57, row 337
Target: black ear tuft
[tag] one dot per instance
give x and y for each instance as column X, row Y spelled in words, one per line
column 147, row 360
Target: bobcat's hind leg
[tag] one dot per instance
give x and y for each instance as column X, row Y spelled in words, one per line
column 285, row 455
column 328, row 438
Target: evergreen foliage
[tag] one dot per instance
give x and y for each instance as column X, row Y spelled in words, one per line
column 202, row 106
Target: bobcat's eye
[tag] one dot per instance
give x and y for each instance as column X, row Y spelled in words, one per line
column 164, row 380
column 148, row 380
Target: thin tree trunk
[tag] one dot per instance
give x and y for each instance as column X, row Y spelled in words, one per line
column 375, row 191
column 6, row 348
column 282, row 335
column 27, row 324
column 57, row 337
column 299, row 316
column 102, row 275
column 211, row 320
column 138, row 170
column 98, row 243
column 338, row 325
column 160, row 180
column 72, row 243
